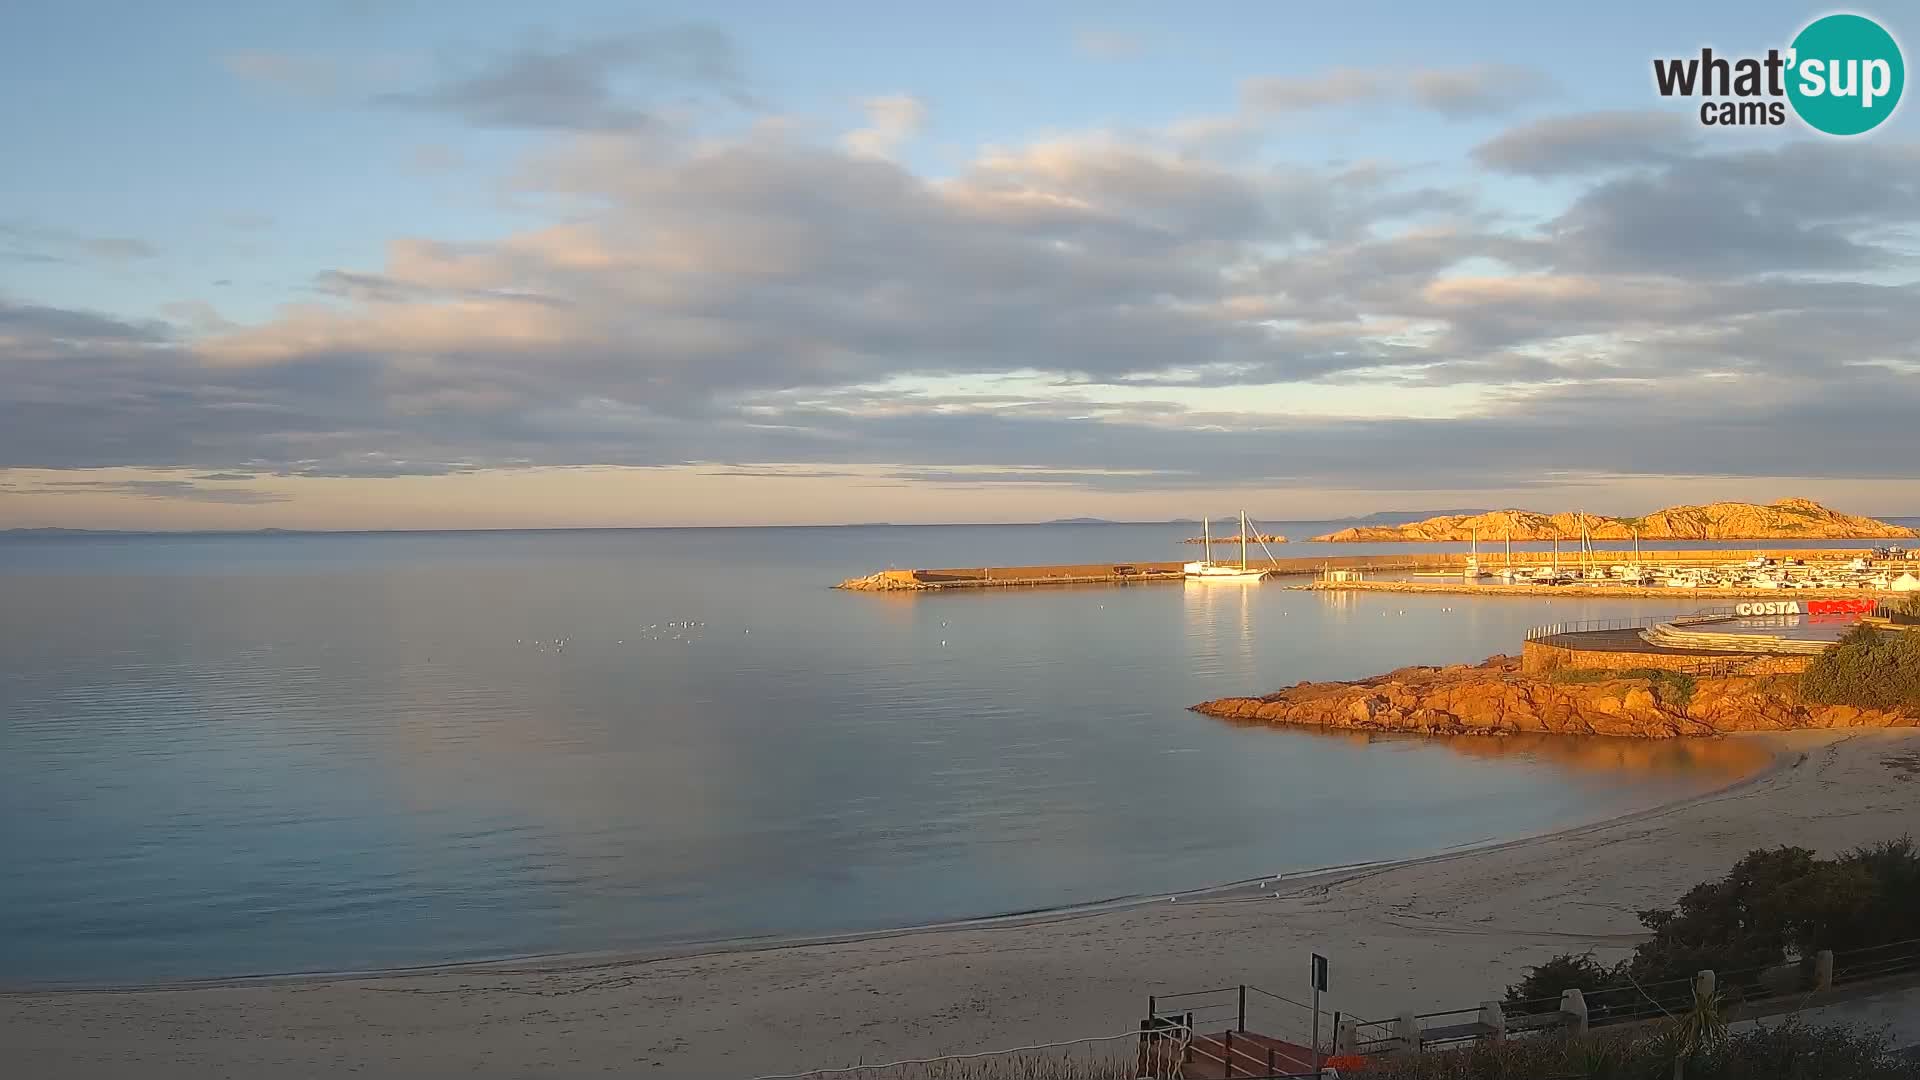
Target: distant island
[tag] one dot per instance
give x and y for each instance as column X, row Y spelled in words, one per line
column 1401, row 517
column 1252, row 538
column 1082, row 521
column 1788, row 519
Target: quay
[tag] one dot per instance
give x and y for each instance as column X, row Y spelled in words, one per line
column 1584, row 588
column 1139, row 573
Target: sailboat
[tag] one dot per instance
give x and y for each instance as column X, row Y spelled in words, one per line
column 1208, row 570
column 1473, row 571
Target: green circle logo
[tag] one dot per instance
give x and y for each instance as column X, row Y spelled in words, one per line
column 1846, row 74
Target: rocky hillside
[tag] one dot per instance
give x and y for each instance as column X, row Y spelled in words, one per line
column 1788, row 519
column 1494, row 698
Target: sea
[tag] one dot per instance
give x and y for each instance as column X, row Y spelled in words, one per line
column 230, row 755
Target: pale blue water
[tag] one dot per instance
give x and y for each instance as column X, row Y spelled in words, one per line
column 253, row 754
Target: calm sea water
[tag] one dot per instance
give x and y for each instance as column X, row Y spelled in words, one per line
column 226, row 755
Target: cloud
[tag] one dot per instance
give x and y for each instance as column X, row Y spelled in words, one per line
column 297, row 72
column 1109, row 44
column 1480, row 90
column 891, row 120
column 590, row 85
column 1806, row 207
column 1455, row 93
column 30, row 321
column 188, row 490
column 1588, row 142
column 1340, row 86
column 1126, row 312
column 243, row 221
column 435, row 158
column 42, row 243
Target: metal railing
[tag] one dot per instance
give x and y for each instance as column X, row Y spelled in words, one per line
column 1704, row 615
column 1876, row 961
column 1245, row 1031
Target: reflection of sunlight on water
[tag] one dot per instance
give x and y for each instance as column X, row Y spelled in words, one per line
column 1208, row 608
column 1727, row 759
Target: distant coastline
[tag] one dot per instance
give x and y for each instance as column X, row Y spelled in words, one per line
column 1373, row 525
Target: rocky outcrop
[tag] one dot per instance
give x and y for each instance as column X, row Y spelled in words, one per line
column 885, row 581
column 1496, row 698
column 1788, row 519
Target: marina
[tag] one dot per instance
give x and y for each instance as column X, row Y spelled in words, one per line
column 1664, row 573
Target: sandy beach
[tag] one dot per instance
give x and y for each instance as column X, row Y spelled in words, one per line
column 1441, row 932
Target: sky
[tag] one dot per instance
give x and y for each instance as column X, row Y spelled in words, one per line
column 361, row 264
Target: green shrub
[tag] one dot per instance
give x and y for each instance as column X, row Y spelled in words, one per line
column 1906, row 611
column 1869, row 668
column 1773, row 904
column 1790, row 1051
column 1539, row 990
column 1673, row 687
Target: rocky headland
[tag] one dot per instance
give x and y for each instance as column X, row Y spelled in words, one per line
column 1497, row 698
column 1788, row 519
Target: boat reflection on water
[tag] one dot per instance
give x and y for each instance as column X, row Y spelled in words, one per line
column 1728, row 759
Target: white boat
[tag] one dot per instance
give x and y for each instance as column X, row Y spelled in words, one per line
column 1472, row 572
column 1208, row 570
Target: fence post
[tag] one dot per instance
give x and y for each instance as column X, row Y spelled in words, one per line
column 1226, row 1054
column 1574, row 1004
column 1823, row 970
column 1408, row 1028
column 1703, row 984
column 1346, row 1036
column 1271, row 1071
column 1151, row 1002
column 1494, row 1017
column 1243, row 1008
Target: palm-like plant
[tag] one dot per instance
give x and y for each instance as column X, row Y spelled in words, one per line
column 1701, row 1031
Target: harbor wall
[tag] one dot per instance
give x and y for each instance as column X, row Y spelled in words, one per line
column 1544, row 657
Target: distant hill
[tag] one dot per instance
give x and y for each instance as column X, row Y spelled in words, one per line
column 1081, row 521
column 1788, row 519
column 1401, row 517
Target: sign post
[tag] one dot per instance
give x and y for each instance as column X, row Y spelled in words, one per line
column 1319, row 986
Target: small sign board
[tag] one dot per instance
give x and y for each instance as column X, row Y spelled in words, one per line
column 1319, row 973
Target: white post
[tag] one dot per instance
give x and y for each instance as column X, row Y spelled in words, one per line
column 1494, row 1017
column 1408, row 1029
column 1703, row 984
column 1574, row 1004
column 1346, row 1036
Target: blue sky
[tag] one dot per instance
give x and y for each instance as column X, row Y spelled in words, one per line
column 231, row 178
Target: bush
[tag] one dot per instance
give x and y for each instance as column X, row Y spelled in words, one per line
column 1869, row 668
column 1773, row 905
column 1907, row 610
column 1539, row 990
column 1790, row 1051
column 1672, row 687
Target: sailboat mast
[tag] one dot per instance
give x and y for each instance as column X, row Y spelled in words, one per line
column 1206, row 535
column 1243, row 539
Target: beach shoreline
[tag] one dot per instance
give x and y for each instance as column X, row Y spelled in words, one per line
column 553, row 963
column 1447, row 930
